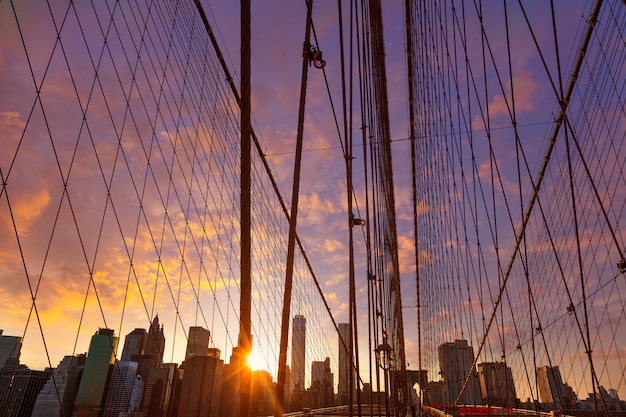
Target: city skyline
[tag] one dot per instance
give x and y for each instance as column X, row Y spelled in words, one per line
column 125, row 388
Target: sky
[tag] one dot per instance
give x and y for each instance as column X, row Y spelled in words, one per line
column 72, row 226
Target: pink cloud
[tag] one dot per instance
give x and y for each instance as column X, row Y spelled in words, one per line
column 525, row 89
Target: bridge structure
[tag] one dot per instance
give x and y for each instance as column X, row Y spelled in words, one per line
column 351, row 208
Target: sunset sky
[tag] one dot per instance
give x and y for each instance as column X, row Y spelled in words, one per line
column 80, row 198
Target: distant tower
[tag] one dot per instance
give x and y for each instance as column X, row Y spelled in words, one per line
column 455, row 360
column 496, row 384
column 197, row 342
column 62, row 386
column 134, row 344
column 344, row 363
column 550, row 385
column 100, row 358
column 120, row 389
column 298, row 352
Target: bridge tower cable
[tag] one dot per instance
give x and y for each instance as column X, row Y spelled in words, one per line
column 245, row 327
column 284, row 334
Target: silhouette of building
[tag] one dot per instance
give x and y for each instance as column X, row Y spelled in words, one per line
column 345, row 363
column 134, row 344
column 298, row 353
column 496, row 384
column 322, row 381
column 120, row 390
column 197, row 342
column 177, row 386
column 146, row 348
column 550, row 384
column 230, row 401
column 10, row 347
column 19, row 387
column 96, row 373
column 158, row 389
column 57, row 396
column 569, row 396
column 455, row 360
column 201, row 386
column 155, row 343
column 263, row 394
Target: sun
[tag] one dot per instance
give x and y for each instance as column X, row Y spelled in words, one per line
column 256, row 361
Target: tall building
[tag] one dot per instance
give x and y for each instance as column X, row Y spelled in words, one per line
column 345, row 363
column 198, row 342
column 19, row 387
column 298, row 352
column 120, row 389
column 455, row 360
column 155, row 343
column 550, row 384
column 230, row 400
column 10, row 347
column 322, row 381
column 496, row 384
column 158, row 390
column 57, row 396
column 201, row 386
column 93, row 383
column 134, row 344
column 145, row 348
column 176, row 390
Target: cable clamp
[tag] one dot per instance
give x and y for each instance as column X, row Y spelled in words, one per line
column 314, row 56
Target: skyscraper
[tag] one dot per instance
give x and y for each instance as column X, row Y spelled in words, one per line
column 322, row 380
column 496, row 384
column 345, row 363
column 9, row 348
column 155, row 343
column 134, row 344
column 100, row 358
column 202, row 385
column 455, row 360
column 550, row 385
column 158, row 390
column 298, row 352
column 120, row 389
column 19, row 387
column 198, row 342
column 230, row 399
column 57, row 396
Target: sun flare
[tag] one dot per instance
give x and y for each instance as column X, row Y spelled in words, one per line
column 256, row 361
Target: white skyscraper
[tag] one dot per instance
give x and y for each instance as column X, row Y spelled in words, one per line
column 344, row 363
column 298, row 352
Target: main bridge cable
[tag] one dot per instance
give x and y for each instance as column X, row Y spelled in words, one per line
column 245, row 326
column 262, row 156
column 537, row 186
column 284, row 330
